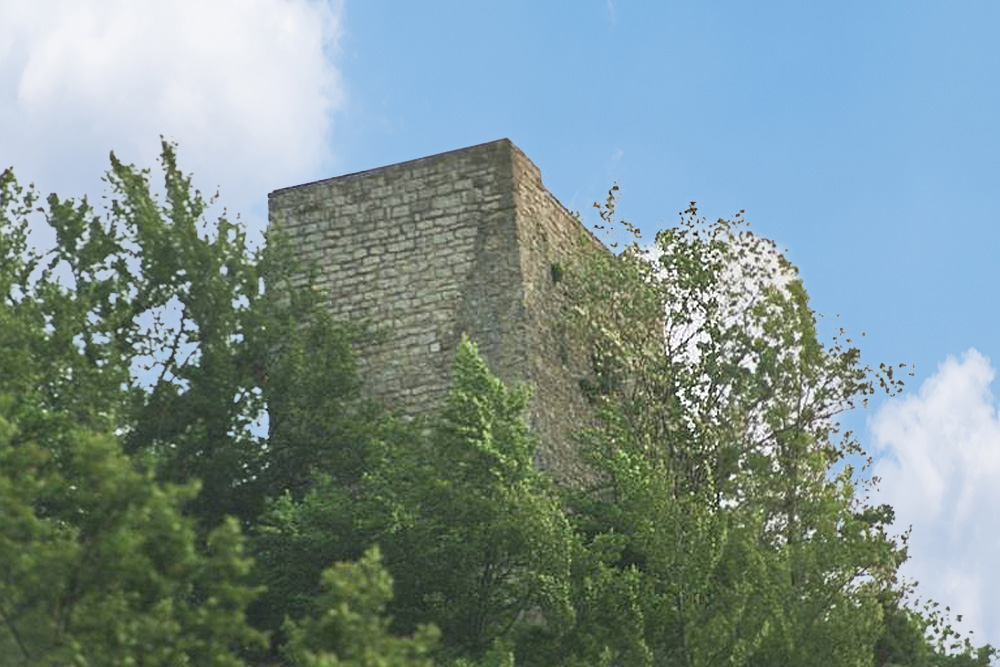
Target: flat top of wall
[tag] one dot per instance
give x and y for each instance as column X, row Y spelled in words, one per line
column 429, row 158
column 505, row 143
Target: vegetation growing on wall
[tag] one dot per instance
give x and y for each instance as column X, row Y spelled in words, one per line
column 144, row 520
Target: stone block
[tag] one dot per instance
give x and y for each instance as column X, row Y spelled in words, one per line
column 457, row 243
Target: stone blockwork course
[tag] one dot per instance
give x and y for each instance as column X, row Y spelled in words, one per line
column 468, row 241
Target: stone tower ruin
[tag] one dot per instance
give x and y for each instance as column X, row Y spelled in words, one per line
column 467, row 241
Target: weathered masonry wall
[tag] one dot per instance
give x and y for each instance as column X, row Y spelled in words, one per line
column 468, row 241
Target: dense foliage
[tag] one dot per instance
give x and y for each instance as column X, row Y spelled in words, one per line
column 145, row 519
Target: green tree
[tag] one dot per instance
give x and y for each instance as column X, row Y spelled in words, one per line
column 99, row 564
column 701, row 587
column 292, row 544
column 128, row 436
column 715, row 449
column 924, row 636
column 352, row 628
column 717, row 529
column 473, row 535
column 167, row 323
column 482, row 541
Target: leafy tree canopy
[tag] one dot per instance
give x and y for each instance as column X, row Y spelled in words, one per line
column 145, row 519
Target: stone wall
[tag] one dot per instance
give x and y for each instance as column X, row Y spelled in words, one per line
column 468, row 241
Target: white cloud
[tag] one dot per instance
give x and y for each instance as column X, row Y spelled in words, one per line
column 615, row 158
column 940, row 468
column 246, row 87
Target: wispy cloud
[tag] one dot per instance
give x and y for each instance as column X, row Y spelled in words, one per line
column 940, row 468
column 246, row 88
column 615, row 159
column 612, row 13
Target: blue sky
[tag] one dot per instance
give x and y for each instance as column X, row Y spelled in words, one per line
column 861, row 136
